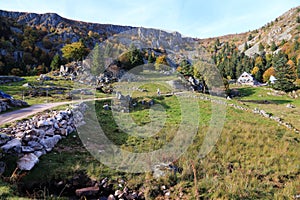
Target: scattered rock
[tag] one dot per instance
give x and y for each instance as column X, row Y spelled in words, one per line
column 27, row 162
column 290, row 106
column 88, row 191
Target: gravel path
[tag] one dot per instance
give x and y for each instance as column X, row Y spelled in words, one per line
column 15, row 115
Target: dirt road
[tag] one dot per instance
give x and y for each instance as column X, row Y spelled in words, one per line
column 26, row 112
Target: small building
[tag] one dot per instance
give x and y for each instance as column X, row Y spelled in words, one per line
column 272, row 79
column 247, row 79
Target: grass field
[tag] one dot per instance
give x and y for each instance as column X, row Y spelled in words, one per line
column 259, row 98
column 253, row 158
column 18, row 91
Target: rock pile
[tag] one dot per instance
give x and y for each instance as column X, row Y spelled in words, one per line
column 32, row 138
column 10, row 79
column 109, row 189
column 6, row 104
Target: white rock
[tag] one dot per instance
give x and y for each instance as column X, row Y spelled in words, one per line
column 50, row 142
column 59, row 117
column 39, row 153
column 27, row 162
column 14, row 143
column 42, row 123
column 35, row 145
column 27, row 149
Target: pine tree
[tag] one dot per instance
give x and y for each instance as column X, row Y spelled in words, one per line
column 284, row 74
column 261, row 47
column 56, row 62
column 97, row 65
column 273, row 46
column 246, row 46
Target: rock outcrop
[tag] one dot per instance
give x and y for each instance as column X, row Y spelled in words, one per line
column 6, row 104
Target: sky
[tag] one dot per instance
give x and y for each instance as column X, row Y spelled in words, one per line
column 193, row 18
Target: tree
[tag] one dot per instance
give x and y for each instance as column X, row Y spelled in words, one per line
column 284, row 74
column 268, row 73
column 16, row 72
column 74, row 51
column 298, row 19
column 261, row 47
column 273, row 46
column 97, row 65
column 161, row 62
column 151, row 58
column 254, row 70
column 246, row 46
column 250, row 37
column 56, row 62
column 298, row 69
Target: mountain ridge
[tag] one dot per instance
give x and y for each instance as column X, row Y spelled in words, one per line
column 30, row 40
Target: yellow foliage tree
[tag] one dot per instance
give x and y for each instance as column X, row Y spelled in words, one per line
column 161, row 62
column 254, row 70
column 75, row 51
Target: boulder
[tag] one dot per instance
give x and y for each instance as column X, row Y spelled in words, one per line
column 50, row 142
column 88, row 191
column 3, row 138
column 27, row 162
column 35, row 145
column 14, row 143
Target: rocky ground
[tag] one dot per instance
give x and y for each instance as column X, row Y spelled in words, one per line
column 7, row 104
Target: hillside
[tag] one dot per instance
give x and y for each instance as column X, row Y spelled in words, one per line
column 283, row 28
column 29, row 41
column 260, row 52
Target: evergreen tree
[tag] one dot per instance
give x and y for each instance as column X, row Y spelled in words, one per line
column 284, row 74
column 246, row 46
column 273, row 46
column 151, row 58
column 56, row 62
column 261, row 47
column 97, row 60
column 250, row 37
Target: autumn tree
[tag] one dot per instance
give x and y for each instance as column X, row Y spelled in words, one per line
column 268, row 73
column 161, row 62
column 74, row 51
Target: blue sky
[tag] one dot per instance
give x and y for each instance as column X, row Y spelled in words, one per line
column 195, row 18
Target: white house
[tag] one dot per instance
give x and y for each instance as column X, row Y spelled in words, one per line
column 246, row 79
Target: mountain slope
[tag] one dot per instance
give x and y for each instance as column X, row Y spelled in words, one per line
column 30, row 41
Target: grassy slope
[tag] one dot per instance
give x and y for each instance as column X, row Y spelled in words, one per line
column 255, row 97
column 17, row 90
column 253, row 158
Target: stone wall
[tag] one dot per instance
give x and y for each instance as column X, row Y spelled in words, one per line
column 34, row 137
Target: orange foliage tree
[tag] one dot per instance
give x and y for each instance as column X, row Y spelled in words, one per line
column 268, row 73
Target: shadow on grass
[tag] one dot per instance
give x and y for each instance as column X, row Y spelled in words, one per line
column 267, row 101
column 248, row 91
